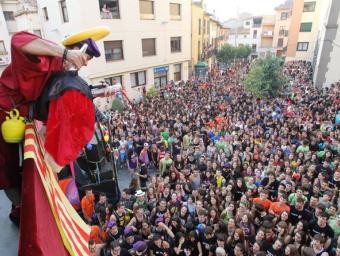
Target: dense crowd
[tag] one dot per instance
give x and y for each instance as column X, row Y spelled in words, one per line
column 217, row 171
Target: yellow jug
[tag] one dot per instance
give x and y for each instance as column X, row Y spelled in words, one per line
column 13, row 129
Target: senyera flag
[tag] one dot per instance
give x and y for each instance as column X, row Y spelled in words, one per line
column 53, row 225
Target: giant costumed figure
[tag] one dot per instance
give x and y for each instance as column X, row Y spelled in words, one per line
column 38, row 85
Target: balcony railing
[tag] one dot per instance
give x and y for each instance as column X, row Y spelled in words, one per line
column 209, row 52
column 25, row 9
column 267, row 33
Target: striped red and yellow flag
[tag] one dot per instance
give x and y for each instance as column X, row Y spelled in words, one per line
column 73, row 230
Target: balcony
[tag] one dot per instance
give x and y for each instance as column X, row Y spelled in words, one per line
column 209, row 52
column 26, row 8
column 267, row 34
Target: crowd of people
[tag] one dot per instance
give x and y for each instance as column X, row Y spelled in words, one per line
column 217, row 171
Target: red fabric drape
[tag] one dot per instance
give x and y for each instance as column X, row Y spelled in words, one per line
column 39, row 234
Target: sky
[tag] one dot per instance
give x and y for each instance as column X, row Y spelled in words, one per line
column 226, row 9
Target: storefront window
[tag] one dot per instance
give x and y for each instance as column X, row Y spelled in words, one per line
column 161, row 77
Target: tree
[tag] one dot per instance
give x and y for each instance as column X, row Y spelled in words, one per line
column 228, row 53
column 118, row 105
column 152, row 92
column 243, row 51
column 265, row 78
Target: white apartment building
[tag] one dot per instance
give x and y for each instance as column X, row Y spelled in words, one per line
column 256, row 32
column 326, row 63
column 4, row 42
column 16, row 15
column 149, row 44
column 241, row 36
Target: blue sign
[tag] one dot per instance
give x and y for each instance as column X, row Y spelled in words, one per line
column 161, row 69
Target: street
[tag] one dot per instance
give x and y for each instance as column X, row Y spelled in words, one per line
column 9, row 235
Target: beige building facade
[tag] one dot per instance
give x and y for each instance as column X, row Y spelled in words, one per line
column 304, row 29
column 197, row 17
column 207, row 36
column 282, row 25
column 149, row 44
column 267, row 35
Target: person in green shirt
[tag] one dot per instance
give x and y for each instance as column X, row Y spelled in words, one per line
column 298, row 194
column 335, row 225
column 304, row 148
column 165, row 164
column 166, row 136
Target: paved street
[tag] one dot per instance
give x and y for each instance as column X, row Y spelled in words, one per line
column 9, row 233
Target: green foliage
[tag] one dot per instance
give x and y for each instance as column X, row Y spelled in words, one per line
column 243, row 51
column 265, row 78
column 152, row 92
column 228, row 53
column 118, row 105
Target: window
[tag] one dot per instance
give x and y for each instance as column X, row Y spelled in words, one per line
column 149, row 46
column 109, row 9
column 247, row 23
column 177, row 72
column 45, row 13
column 204, row 26
column 2, row 48
column 257, row 22
column 138, row 78
column 146, row 9
column 286, row 32
column 64, row 12
column 208, row 27
column 306, row 27
column 175, row 44
column 284, row 15
column 199, row 26
column 309, row 6
column 281, row 31
column 280, row 42
column 255, row 34
column 253, row 47
column 302, row 46
column 175, row 11
column 113, row 50
column 160, row 76
column 37, row 32
column 119, row 79
column 9, row 16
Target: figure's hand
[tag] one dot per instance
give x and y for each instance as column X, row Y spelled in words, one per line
column 77, row 58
